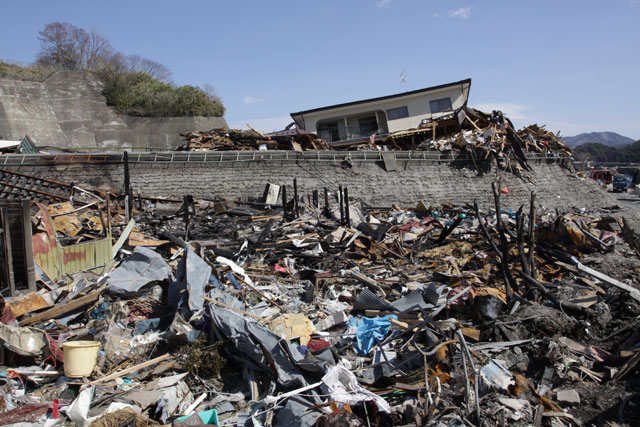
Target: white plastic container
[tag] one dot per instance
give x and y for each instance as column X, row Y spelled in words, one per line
column 80, row 358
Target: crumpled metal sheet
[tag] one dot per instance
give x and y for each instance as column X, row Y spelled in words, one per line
column 22, row 340
column 367, row 300
column 296, row 413
column 141, row 267
column 414, row 300
column 193, row 275
column 27, row 303
column 250, row 338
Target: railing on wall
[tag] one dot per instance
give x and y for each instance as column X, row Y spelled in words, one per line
column 235, row 156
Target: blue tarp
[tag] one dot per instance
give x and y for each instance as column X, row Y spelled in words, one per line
column 369, row 330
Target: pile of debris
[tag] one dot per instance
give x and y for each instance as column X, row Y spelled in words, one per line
column 482, row 136
column 251, row 139
column 329, row 312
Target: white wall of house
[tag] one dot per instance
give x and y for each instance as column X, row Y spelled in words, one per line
column 418, row 106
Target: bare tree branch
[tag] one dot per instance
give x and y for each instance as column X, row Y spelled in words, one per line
column 153, row 68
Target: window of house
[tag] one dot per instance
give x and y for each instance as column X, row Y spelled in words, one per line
column 397, row 113
column 368, row 125
column 439, row 105
column 329, row 131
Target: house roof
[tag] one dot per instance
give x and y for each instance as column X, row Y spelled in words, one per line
column 382, row 98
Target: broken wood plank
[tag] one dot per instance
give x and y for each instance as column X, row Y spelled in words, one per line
column 131, row 369
column 633, row 292
column 123, row 238
column 371, row 283
column 58, row 311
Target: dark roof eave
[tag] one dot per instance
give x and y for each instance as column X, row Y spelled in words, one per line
column 382, row 98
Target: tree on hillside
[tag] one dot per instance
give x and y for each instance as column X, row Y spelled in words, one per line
column 132, row 84
column 63, row 44
column 212, row 94
column 153, row 68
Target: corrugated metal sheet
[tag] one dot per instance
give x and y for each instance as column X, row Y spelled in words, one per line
column 57, row 261
column 85, row 256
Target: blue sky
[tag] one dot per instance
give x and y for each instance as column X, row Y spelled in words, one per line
column 572, row 65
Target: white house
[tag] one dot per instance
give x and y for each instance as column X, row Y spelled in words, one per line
column 386, row 114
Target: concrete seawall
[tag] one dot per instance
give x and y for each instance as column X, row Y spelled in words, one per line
column 432, row 177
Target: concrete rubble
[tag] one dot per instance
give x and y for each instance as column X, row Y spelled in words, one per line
column 319, row 310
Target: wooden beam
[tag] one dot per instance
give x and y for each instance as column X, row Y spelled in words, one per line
column 132, row 369
column 8, row 255
column 58, row 311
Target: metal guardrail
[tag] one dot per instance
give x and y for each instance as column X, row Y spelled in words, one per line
column 234, row 157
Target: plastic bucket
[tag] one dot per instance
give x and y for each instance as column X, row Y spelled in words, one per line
column 80, row 358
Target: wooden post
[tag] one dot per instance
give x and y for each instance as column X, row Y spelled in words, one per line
column 341, row 205
column 346, row 207
column 127, row 187
column 295, row 197
column 315, row 199
column 327, row 209
column 284, row 202
column 532, row 233
column 8, row 256
column 107, row 197
column 29, row 262
column 186, row 216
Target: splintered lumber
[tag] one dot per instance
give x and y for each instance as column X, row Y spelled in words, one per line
column 399, row 324
column 369, row 282
column 58, row 311
column 131, row 369
column 633, row 292
column 123, row 238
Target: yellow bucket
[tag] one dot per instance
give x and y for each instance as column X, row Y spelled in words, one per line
column 80, row 358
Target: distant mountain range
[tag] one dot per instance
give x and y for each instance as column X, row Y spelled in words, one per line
column 610, row 139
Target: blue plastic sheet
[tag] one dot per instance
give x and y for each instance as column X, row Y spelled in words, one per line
column 369, row 330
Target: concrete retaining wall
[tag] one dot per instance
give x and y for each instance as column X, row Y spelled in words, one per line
column 435, row 181
column 69, row 111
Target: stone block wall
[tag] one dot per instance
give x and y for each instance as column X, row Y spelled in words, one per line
column 434, row 182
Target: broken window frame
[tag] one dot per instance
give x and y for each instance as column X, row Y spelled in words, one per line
column 367, row 125
column 329, row 131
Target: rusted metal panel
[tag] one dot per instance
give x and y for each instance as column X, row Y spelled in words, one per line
column 57, row 261
column 27, row 303
column 46, row 249
column 85, row 256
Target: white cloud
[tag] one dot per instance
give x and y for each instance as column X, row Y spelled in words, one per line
column 437, row 15
column 383, row 4
column 512, row 111
column 463, row 12
column 265, row 124
column 251, row 100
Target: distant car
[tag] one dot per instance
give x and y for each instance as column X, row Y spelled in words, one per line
column 622, row 182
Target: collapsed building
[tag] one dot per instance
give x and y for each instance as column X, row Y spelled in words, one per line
column 451, row 271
